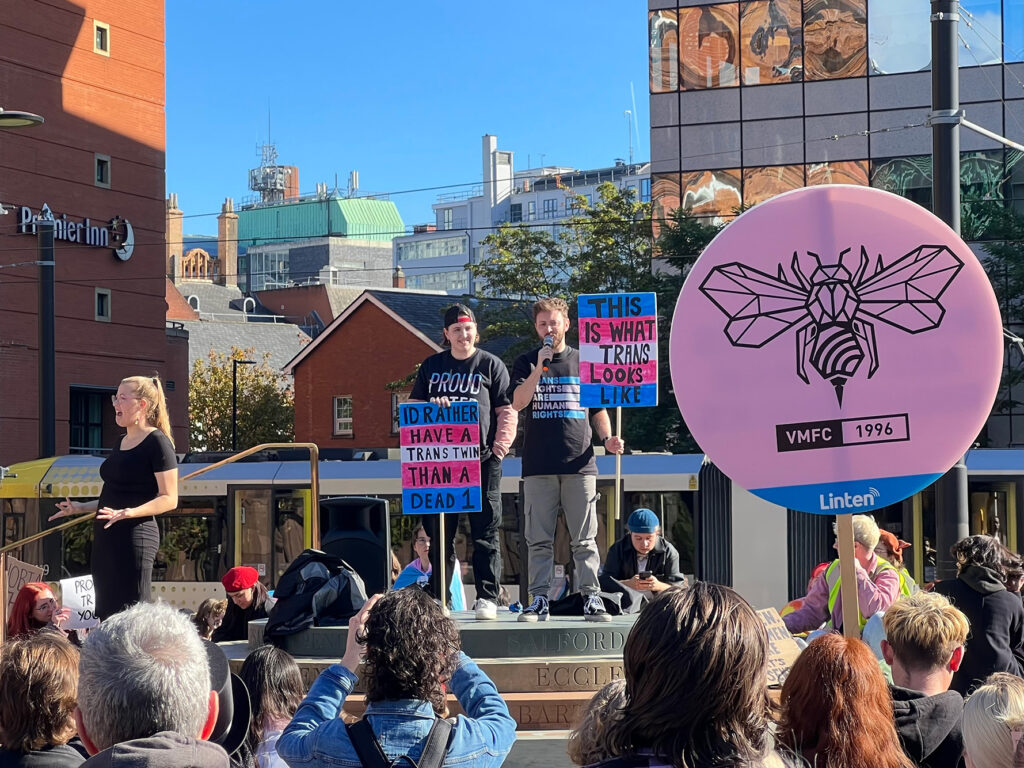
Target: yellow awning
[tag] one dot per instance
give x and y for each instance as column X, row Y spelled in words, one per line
column 23, row 481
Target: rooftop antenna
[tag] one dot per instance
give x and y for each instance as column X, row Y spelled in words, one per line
column 636, row 126
column 629, row 133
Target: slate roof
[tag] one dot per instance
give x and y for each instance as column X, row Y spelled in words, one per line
column 282, row 340
column 213, row 298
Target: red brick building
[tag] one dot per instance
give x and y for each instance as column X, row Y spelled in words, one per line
column 341, row 394
column 94, row 69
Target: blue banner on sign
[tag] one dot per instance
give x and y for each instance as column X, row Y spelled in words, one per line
column 611, row 396
column 856, row 497
column 432, row 501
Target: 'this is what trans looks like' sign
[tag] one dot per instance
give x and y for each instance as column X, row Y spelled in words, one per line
column 618, row 350
column 836, row 349
column 440, row 457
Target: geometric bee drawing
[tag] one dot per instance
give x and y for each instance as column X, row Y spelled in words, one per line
column 833, row 311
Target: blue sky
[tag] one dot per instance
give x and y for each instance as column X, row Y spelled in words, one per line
column 400, row 91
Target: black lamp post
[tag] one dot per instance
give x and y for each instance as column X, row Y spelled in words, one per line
column 234, row 399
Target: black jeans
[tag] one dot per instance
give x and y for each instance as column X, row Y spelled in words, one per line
column 484, row 528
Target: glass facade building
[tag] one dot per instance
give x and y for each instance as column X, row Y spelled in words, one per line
column 751, row 99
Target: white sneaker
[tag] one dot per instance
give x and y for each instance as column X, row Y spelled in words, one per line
column 485, row 610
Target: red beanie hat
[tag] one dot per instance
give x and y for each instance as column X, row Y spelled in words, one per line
column 240, row 577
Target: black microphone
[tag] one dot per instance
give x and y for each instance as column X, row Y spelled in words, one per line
column 549, row 341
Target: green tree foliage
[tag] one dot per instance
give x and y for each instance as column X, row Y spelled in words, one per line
column 606, row 247
column 265, row 404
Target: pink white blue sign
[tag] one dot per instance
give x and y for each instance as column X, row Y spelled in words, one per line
column 836, row 349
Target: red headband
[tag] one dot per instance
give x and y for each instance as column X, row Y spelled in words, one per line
column 464, row 319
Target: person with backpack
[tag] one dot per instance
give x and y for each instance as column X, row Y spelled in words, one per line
column 411, row 659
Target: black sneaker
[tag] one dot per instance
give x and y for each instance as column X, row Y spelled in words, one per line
column 536, row 611
column 593, row 609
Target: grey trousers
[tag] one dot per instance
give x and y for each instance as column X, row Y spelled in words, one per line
column 577, row 495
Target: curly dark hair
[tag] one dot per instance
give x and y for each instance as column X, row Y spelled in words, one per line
column 979, row 550
column 411, row 649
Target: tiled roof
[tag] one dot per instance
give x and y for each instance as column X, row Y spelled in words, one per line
column 282, row 340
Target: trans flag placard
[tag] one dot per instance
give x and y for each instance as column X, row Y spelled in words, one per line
column 618, row 350
column 440, row 457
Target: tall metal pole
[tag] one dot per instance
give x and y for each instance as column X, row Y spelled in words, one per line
column 951, row 511
column 47, row 343
column 234, row 405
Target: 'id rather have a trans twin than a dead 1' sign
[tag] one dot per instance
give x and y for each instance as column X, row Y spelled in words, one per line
column 836, row 349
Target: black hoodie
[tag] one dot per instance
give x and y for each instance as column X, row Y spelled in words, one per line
column 929, row 727
column 161, row 750
column 996, row 641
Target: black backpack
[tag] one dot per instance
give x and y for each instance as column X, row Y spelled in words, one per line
column 319, row 590
column 365, row 743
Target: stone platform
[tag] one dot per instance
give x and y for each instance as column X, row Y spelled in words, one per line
column 546, row 671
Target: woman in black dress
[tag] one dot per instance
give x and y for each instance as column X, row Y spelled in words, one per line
column 140, row 480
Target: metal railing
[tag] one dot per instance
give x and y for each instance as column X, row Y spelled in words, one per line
column 313, row 538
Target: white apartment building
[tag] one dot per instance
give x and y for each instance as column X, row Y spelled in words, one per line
column 435, row 256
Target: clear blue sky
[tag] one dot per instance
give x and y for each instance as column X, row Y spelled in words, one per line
column 400, row 91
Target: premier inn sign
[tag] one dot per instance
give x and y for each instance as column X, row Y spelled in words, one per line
column 117, row 234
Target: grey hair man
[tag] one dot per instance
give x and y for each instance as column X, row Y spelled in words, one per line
column 144, row 692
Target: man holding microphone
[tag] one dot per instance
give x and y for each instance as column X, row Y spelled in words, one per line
column 558, row 460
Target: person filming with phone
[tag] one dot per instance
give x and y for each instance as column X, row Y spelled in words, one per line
column 641, row 560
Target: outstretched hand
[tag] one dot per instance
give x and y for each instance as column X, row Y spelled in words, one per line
column 354, row 650
column 65, row 508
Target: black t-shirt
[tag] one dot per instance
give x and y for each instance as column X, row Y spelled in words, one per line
column 129, row 477
column 482, row 377
column 558, row 437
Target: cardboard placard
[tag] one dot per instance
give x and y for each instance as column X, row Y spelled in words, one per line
column 79, row 596
column 440, row 457
column 782, row 648
column 18, row 575
column 618, row 350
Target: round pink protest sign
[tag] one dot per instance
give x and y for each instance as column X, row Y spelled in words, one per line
column 836, row 349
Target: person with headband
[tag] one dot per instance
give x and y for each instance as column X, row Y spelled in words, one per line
column 140, row 481
column 465, row 372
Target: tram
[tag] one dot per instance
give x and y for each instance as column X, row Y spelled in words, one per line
column 256, row 513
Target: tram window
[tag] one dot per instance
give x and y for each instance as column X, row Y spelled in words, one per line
column 289, row 533
column 675, row 509
column 184, row 552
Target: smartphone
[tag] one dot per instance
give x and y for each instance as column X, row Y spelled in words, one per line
column 644, row 575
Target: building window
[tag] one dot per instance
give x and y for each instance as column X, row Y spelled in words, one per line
column 343, row 416
column 447, row 221
column 86, row 421
column 645, row 190
column 103, row 304
column 102, row 177
column 101, row 38
column 531, row 209
column 551, row 208
column 516, row 212
column 397, row 398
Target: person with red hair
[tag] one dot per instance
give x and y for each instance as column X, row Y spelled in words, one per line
column 34, row 608
column 837, row 709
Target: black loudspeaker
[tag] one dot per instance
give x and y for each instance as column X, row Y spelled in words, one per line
column 358, row 530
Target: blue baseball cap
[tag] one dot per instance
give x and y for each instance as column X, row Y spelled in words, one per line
column 642, row 520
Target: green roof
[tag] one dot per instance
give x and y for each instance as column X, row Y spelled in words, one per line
column 358, row 218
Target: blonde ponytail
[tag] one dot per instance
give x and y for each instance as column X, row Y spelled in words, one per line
column 150, row 389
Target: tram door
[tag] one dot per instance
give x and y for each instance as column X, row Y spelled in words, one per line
column 268, row 529
column 993, row 511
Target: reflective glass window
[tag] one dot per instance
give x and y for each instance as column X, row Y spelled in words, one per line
column 664, row 51
column 715, row 194
column 909, row 177
column 839, row 172
column 835, row 39
column 1013, row 30
column 771, row 36
column 980, row 30
column 899, row 36
column 709, row 46
column 760, row 184
column 665, row 199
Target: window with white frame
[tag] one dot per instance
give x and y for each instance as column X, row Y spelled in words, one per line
column 343, row 416
column 101, row 38
column 103, row 305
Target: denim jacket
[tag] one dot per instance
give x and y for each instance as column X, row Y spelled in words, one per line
column 317, row 737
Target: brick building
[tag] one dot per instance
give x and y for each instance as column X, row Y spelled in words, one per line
column 341, row 394
column 94, row 69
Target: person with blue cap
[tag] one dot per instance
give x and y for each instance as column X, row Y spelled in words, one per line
column 641, row 560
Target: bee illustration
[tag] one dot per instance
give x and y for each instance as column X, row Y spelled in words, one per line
column 833, row 311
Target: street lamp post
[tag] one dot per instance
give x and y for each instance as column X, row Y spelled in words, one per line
column 234, row 399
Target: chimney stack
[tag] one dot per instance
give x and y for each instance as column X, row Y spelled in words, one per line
column 227, row 243
column 398, row 278
column 174, row 243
